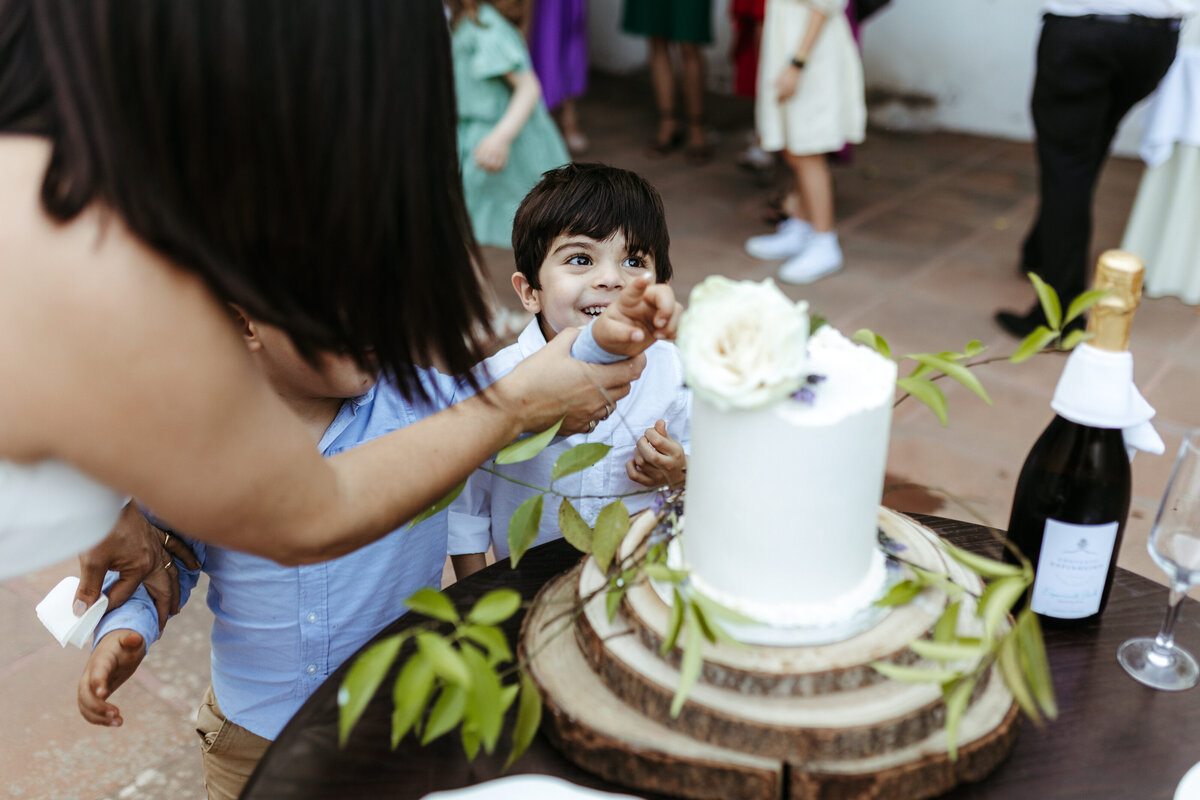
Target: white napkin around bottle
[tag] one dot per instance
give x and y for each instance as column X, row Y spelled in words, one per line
column 57, row 614
column 1096, row 389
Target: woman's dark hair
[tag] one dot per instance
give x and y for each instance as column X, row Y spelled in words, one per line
column 593, row 200
column 299, row 155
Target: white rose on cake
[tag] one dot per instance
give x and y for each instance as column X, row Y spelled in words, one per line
column 744, row 344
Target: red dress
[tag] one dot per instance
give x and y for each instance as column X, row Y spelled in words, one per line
column 747, row 16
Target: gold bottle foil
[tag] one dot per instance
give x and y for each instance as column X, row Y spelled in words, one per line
column 1121, row 274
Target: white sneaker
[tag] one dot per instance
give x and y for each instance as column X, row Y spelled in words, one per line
column 790, row 238
column 822, row 257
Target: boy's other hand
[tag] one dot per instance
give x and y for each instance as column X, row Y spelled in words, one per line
column 641, row 314
column 114, row 659
column 659, row 460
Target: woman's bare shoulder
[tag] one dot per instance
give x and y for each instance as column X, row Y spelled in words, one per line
column 89, row 314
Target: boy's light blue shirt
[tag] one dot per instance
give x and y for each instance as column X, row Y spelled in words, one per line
column 278, row 632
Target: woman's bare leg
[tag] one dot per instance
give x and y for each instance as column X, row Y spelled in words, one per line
column 662, row 79
column 814, row 181
column 693, row 93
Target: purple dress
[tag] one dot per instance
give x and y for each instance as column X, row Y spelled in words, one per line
column 558, row 48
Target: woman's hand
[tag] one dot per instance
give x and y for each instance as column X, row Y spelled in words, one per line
column 491, row 154
column 141, row 553
column 551, row 385
column 787, row 83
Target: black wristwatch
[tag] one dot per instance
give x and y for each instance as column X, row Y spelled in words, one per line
column 798, row 63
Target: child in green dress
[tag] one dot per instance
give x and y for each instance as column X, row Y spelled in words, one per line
column 506, row 138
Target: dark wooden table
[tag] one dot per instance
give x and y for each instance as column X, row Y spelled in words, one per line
column 1114, row 738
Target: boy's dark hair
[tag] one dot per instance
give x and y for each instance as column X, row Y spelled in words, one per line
column 593, row 200
column 298, row 155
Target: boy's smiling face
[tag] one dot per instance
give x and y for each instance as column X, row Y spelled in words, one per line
column 580, row 276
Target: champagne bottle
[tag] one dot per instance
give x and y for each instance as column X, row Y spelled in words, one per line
column 1072, row 496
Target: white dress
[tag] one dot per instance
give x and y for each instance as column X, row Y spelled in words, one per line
column 828, row 109
column 50, row 511
column 1164, row 226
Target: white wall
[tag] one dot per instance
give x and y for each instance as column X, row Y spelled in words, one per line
column 975, row 58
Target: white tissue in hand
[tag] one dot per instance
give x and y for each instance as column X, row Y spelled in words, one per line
column 55, row 612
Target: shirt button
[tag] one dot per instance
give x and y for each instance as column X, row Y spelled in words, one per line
column 311, row 669
column 312, row 616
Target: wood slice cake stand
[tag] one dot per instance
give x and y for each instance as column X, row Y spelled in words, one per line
column 800, row 723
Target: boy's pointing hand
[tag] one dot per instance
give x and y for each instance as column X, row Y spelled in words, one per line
column 643, row 313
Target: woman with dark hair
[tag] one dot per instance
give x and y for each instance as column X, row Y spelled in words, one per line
column 294, row 157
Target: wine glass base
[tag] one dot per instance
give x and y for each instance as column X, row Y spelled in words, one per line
column 1170, row 670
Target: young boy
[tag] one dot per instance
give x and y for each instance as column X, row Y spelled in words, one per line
column 579, row 237
column 278, row 632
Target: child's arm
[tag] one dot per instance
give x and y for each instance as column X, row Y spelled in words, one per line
column 659, row 460
column 112, row 662
column 789, row 80
column 491, row 154
column 469, row 520
column 643, row 313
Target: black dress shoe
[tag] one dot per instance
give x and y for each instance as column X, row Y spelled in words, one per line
column 1021, row 325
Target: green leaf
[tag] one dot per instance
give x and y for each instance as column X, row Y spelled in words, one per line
column 983, row 566
column 947, row 651
column 974, row 348
column 715, row 610
column 579, row 457
column 815, row 321
column 927, row 393
column 1075, row 337
column 439, row 506
column 530, row 446
column 444, row 659
column 947, row 624
column 491, row 640
column 1033, row 658
column 900, row 594
column 1033, row 344
column 693, row 658
column 361, row 681
column 523, row 527
column 872, row 340
column 611, row 526
column 956, row 696
column 577, row 532
column 674, row 623
column 954, row 371
column 508, row 694
column 495, row 607
column 997, row 600
column 483, row 698
column 1085, row 301
column 410, row 695
column 906, row 674
column 432, row 603
column 529, row 716
column 1009, row 662
column 447, row 712
column 612, row 601
column 470, row 741
column 939, row 580
column 663, row 573
column 1049, row 300
column 708, row 626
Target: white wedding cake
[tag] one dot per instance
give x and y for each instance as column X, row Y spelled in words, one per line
column 789, row 446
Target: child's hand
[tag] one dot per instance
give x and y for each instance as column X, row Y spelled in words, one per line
column 491, row 154
column 659, row 461
column 114, row 659
column 786, row 84
column 642, row 313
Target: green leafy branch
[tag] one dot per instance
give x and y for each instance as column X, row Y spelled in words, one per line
column 958, row 662
column 1051, row 338
column 462, row 670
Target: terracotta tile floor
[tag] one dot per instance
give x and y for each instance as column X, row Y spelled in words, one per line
column 930, row 224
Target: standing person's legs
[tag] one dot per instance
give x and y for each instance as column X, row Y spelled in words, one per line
column 230, row 752
column 693, row 97
column 823, row 255
column 662, row 80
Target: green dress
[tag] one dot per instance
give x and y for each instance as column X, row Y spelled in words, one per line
column 673, row 20
column 484, row 52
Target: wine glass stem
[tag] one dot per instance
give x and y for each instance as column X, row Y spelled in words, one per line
column 1165, row 640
